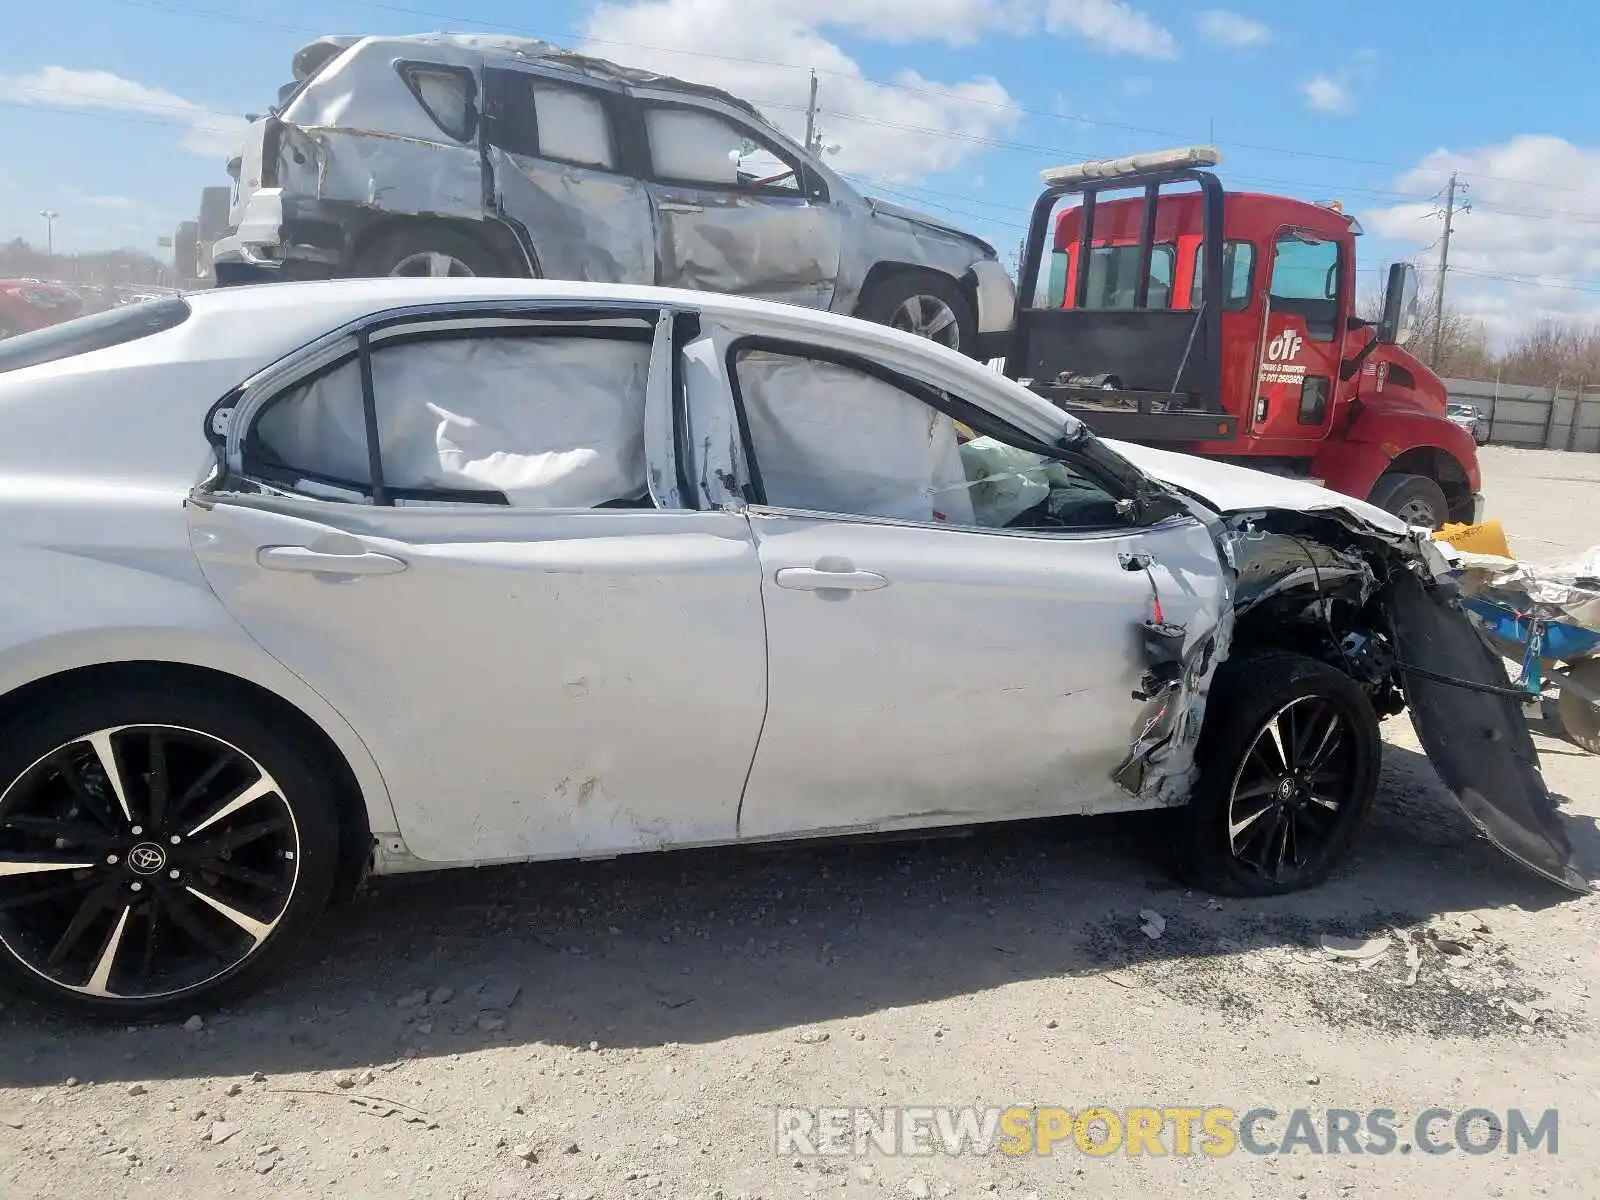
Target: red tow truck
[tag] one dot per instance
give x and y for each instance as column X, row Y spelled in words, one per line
column 1272, row 368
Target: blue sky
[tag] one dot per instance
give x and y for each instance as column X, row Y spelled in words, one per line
column 117, row 117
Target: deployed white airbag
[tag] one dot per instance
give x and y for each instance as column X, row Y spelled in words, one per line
column 692, row 146
column 832, row 439
column 552, row 422
column 572, row 125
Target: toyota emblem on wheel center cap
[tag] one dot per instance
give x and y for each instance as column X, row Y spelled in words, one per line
column 146, row 858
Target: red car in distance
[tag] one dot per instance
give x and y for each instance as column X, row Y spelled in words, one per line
column 29, row 304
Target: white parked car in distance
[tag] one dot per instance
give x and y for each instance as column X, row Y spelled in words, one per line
column 307, row 581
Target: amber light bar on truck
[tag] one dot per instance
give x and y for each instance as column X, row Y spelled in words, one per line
column 1104, row 169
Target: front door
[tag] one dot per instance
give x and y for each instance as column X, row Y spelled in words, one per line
column 1297, row 372
column 736, row 213
column 953, row 627
column 543, row 660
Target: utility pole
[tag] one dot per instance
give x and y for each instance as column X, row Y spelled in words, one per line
column 811, row 115
column 1444, row 266
column 49, row 216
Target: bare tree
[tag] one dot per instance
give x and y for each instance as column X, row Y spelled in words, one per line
column 1550, row 352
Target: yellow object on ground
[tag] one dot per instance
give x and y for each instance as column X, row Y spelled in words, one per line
column 1486, row 538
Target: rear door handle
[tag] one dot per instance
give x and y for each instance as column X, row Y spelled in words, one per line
column 810, row 579
column 320, row 562
column 668, row 206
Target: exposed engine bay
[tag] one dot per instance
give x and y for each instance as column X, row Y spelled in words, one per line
column 1383, row 608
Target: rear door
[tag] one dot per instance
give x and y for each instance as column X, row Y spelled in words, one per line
column 546, row 654
column 1302, row 337
column 555, row 154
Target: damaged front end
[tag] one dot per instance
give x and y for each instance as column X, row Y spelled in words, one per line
column 1379, row 604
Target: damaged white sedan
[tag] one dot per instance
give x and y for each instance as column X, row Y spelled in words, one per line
column 302, row 582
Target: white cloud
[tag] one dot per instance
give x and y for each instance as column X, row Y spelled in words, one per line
column 1534, row 221
column 1326, row 94
column 119, row 203
column 760, row 49
column 1112, row 25
column 206, row 131
column 1224, row 28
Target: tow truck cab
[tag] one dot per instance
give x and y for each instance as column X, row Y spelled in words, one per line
column 1273, row 368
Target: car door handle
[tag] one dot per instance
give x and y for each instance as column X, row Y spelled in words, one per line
column 320, row 562
column 810, row 579
column 668, row 207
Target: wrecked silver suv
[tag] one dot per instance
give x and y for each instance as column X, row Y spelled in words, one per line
column 446, row 154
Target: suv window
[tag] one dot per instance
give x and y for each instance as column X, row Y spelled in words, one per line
column 552, row 420
column 446, row 95
column 100, row 331
column 572, row 125
column 689, row 145
column 827, row 437
column 1305, row 281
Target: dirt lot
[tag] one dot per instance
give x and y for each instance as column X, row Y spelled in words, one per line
column 627, row 1029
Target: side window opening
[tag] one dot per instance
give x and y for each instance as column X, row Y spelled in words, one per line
column 1238, row 266
column 572, row 126
column 691, row 146
column 1305, row 281
column 553, row 420
column 446, row 94
column 828, row 437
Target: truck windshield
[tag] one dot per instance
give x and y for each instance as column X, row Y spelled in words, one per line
column 1114, row 277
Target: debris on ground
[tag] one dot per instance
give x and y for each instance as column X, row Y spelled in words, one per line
column 1356, row 949
column 1153, row 924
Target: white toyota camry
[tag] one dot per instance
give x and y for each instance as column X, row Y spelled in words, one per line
column 302, row 582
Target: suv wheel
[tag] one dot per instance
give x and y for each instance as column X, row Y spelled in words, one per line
column 929, row 306
column 1289, row 765
column 428, row 253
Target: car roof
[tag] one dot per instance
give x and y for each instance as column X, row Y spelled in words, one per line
column 308, row 310
column 504, row 48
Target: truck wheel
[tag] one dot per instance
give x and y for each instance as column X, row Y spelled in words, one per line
column 1289, row 760
column 1415, row 499
column 1579, row 718
column 927, row 305
column 425, row 252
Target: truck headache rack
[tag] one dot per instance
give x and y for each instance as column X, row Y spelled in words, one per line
column 1140, row 373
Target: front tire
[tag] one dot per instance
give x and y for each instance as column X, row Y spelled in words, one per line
column 927, row 305
column 1289, row 762
column 1415, row 499
column 160, row 851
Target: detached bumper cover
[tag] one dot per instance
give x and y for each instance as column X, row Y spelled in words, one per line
column 1477, row 740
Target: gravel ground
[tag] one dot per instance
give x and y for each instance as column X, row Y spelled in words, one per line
column 627, row 1029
